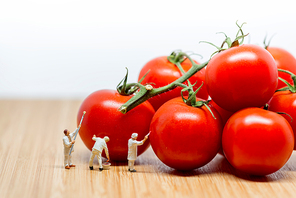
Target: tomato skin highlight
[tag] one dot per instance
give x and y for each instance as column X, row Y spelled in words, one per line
column 185, row 137
column 284, row 60
column 102, row 118
column 285, row 101
column 240, row 77
column 163, row 72
column 257, row 141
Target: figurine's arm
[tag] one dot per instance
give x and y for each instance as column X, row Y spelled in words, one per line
column 143, row 141
column 73, row 133
column 107, row 152
column 94, row 138
column 145, row 138
column 67, row 143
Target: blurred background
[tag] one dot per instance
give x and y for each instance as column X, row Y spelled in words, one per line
column 67, row 49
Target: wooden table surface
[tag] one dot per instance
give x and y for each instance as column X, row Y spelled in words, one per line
column 31, row 164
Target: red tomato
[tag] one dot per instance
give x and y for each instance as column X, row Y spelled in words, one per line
column 257, row 141
column 284, row 60
column 102, row 118
column 285, row 101
column 225, row 115
column 163, row 72
column 185, row 137
column 240, row 77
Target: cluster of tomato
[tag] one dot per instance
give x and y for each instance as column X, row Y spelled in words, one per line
column 239, row 81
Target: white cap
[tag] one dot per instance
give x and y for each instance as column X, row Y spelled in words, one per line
column 106, row 138
column 134, row 135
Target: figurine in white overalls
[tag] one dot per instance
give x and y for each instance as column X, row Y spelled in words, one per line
column 132, row 150
column 97, row 151
column 68, row 142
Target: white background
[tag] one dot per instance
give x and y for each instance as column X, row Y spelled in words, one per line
column 69, row 48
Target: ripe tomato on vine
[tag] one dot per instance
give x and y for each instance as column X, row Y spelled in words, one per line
column 104, row 119
column 163, row 70
column 242, row 76
column 284, row 101
column 186, row 134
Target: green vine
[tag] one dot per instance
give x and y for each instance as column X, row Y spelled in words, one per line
column 228, row 41
column 144, row 92
column 191, row 100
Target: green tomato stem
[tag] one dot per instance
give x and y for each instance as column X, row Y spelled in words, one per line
column 145, row 94
column 177, row 60
column 290, row 87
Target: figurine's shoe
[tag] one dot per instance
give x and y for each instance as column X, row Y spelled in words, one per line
column 72, row 165
column 91, row 168
column 132, row 170
column 67, row 167
column 101, row 169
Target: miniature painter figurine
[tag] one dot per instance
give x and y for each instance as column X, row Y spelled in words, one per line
column 97, row 151
column 132, row 150
column 68, row 142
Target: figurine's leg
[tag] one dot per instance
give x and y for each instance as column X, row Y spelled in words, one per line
column 91, row 160
column 66, row 161
column 70, row 160
column 100, row 160
column 131, row 165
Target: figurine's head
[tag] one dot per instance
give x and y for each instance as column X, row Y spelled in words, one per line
column 106, row 138
column 66, row 132
column 134, row 136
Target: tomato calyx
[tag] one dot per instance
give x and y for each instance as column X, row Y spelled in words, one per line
column 177, row 58
column 126, row 89
column 266, row 106
column 266, row 45
column 129, row 89
column 228, row 41
column 286, row 115
column 291, row 88
column 191, row 100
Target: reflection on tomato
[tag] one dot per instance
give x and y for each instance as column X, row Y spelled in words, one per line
column 102, row 118
column 257, row 141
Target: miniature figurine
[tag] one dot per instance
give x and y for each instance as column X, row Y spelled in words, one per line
column 132, row 150
column 68, row 142
column 97, row 151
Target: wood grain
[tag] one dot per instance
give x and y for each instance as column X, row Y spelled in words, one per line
column 31, row 164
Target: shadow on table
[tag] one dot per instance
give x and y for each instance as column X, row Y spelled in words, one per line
column 219, row 165
column 149, row 163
